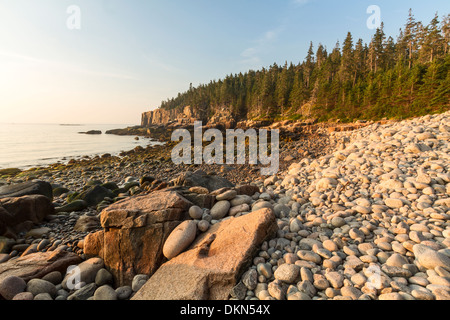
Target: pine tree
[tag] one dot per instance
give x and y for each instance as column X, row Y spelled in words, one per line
column 347, row 61
column 431, row 42
column 445, row 27
column 410, row 38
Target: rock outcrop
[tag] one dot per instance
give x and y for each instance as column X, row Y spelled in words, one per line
column 202, row 179
column 38, row 265
column 163, row 117
column 134, row 232
column 19, row 214
column 215, row 261
column 26, row 189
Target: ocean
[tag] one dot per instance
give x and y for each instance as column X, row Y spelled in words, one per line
column 31, row 145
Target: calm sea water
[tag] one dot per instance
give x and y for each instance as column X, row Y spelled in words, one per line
column 30, row 145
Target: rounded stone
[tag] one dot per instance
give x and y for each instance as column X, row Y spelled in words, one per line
column 103, row 277
column 429, row 258
column 54, row 277
column 227, row 195
column 265, row 270
column 138, row 282
column 37, row 286
column 203, row 226
column 123, row 293
column 338, row 222
column 397, row 260
column 105, row 293
column 220, row 210
column 287, row 273
column 180, row 239
column 394, row 203
column 23, row 296
column 11, row 286
column 195, row 212
column 239, row 209
column 43, row 297
column 262, row 205
column 309, row 256
column 330, row 245
column 43, row 244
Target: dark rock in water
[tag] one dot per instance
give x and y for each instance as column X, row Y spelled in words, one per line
column 94, row 195
column 15, row 212
column 202, row 179
column 26, row 189
column 75, row 206
column 92, row 132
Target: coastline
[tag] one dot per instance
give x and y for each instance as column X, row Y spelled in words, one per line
column 336, row 200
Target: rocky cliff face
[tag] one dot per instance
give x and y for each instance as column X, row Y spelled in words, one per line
column 163, row 117
column 188, row 116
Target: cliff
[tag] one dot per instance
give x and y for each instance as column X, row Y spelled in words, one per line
column 163, row 117
column 188, row 116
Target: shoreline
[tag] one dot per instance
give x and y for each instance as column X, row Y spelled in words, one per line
column 344, row 201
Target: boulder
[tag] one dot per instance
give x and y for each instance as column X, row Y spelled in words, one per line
column 17, row 213
column 135, row 230
column 429, row 258
column 214, row 263
column 74, row 206
column 248, row 190
column 38, row 265
column 26, row 189
column 12, row 286
column 87, row 272
column 202, row 200
column 202, row 179
column 95, row 194
column 180, row 238
column 87, row 224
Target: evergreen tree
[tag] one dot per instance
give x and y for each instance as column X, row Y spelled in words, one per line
column 385, row 78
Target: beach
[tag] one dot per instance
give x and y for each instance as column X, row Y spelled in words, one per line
column 344, row 204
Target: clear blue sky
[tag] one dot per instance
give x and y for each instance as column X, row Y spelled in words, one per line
column 130, row 55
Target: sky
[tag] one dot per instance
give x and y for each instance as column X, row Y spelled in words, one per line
column 107, row 61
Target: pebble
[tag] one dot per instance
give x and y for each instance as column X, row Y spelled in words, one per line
column 220, row 210
column 123, row 293
column 105, row 293
column 12, row 286
column 228, row 195
column 203, row 226
column 103, row 277
column 429, row 258
column 24, row 296
column 37, row 286
column 196, row 212
column 138, row 282
column 287, row 273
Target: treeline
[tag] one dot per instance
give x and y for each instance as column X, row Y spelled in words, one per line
column 387, row 78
